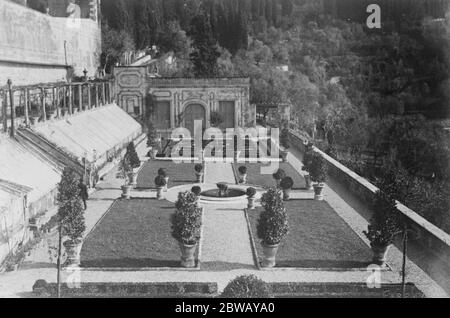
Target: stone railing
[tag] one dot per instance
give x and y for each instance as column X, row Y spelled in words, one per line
column 427, row 234
column 198, row 82
column 29, row 104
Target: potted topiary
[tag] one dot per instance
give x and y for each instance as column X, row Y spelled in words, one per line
column 246, row 286
column 133, row 157
column 318, row 172
column 242, row 174
column 163, row 173
column 153, row 142
column 286, row 184
column 160, row 183
column 384, row 227
column 186, row 227
column 223, row 189
column 71, row 215
column 251, row 196
column 272, row 225
column 197, row 191
column 278, row 176
column 124, row 173
column 285, row 142
column 198, row 172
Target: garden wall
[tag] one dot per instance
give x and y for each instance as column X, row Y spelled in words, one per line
column 428, row 235
column 37, row 48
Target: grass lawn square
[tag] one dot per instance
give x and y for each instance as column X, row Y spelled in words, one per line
column 178, row 173
column 254, row 176
column 134, row 234
column 318, row 238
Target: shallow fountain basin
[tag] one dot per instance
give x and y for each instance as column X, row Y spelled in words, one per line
column 232, row 194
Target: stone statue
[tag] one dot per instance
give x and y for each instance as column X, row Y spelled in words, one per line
column 73, row 10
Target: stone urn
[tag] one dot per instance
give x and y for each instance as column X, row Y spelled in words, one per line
column 132, row 177
column 167, row 184
column 243, row 178
column 270, row 253
column 308, row 182
column 126, row 191
column 199, row 177
column 318, row 191
column 286, row 194
column 284, row 154
column 73, row 251
column 379, row 254
column 153, row 152
column 251, row 203
column 187, row 255
column 159, row 193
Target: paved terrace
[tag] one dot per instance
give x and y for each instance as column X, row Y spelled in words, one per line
column 214, row 249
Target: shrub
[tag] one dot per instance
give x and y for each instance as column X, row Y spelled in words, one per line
column 152, row 136
column 272, row 225
column 279, row 174
column 318, row 168
column 160, row 181
column 216, row 119
column 124, row 169
column 162, row 172
column 307, row 161
column 246, row 286
column 242, row 170
column 285, row 139
column 185, row 199
column 198, row 168
column 70, row 206
column 132, row 156
column 187, row 219
column 251, row 192
column 385, row 223
column 287, row 183
column 196, row 190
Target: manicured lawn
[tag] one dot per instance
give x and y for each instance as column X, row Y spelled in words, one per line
column 254, row 176
column 318, row 238
column 135, row 233
column 178, row 173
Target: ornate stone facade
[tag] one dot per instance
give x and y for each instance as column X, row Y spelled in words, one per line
column 135, row 88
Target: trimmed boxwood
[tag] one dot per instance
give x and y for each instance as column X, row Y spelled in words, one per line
column 132, row 156
column 196, row 190
column 187, row 219
column 287, row 183
column 162, row 172
column 318, row 168
column 242, row 170
column 246, row 286
column 198, row 168
column 251, row 192
column 272, row 225
column 279, row 174
column 160, row 181
column 285, row 140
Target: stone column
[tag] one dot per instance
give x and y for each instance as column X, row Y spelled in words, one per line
column 44, row 112
column 104, row 94
column 70, row 99
column 89, row 96
column 3, row 100
column 96, row 95
column 80, row 97
column 13, row 110
column 26, row 97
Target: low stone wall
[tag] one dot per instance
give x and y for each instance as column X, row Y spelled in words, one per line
column 428, row 235
column 184, row 290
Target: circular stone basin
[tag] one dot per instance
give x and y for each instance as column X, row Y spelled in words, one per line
column 232, row 195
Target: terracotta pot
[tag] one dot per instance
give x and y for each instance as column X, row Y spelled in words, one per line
column 199, row 176
column 243, row 178
column 379, row 254
column 73, row 251
column 318, row 191
column 159, row 193
column 187, row 255
column 308, row 182
column 126, row 191
column 284, row 155
column 251, row 203
column 286, row 194
column 270, row 253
